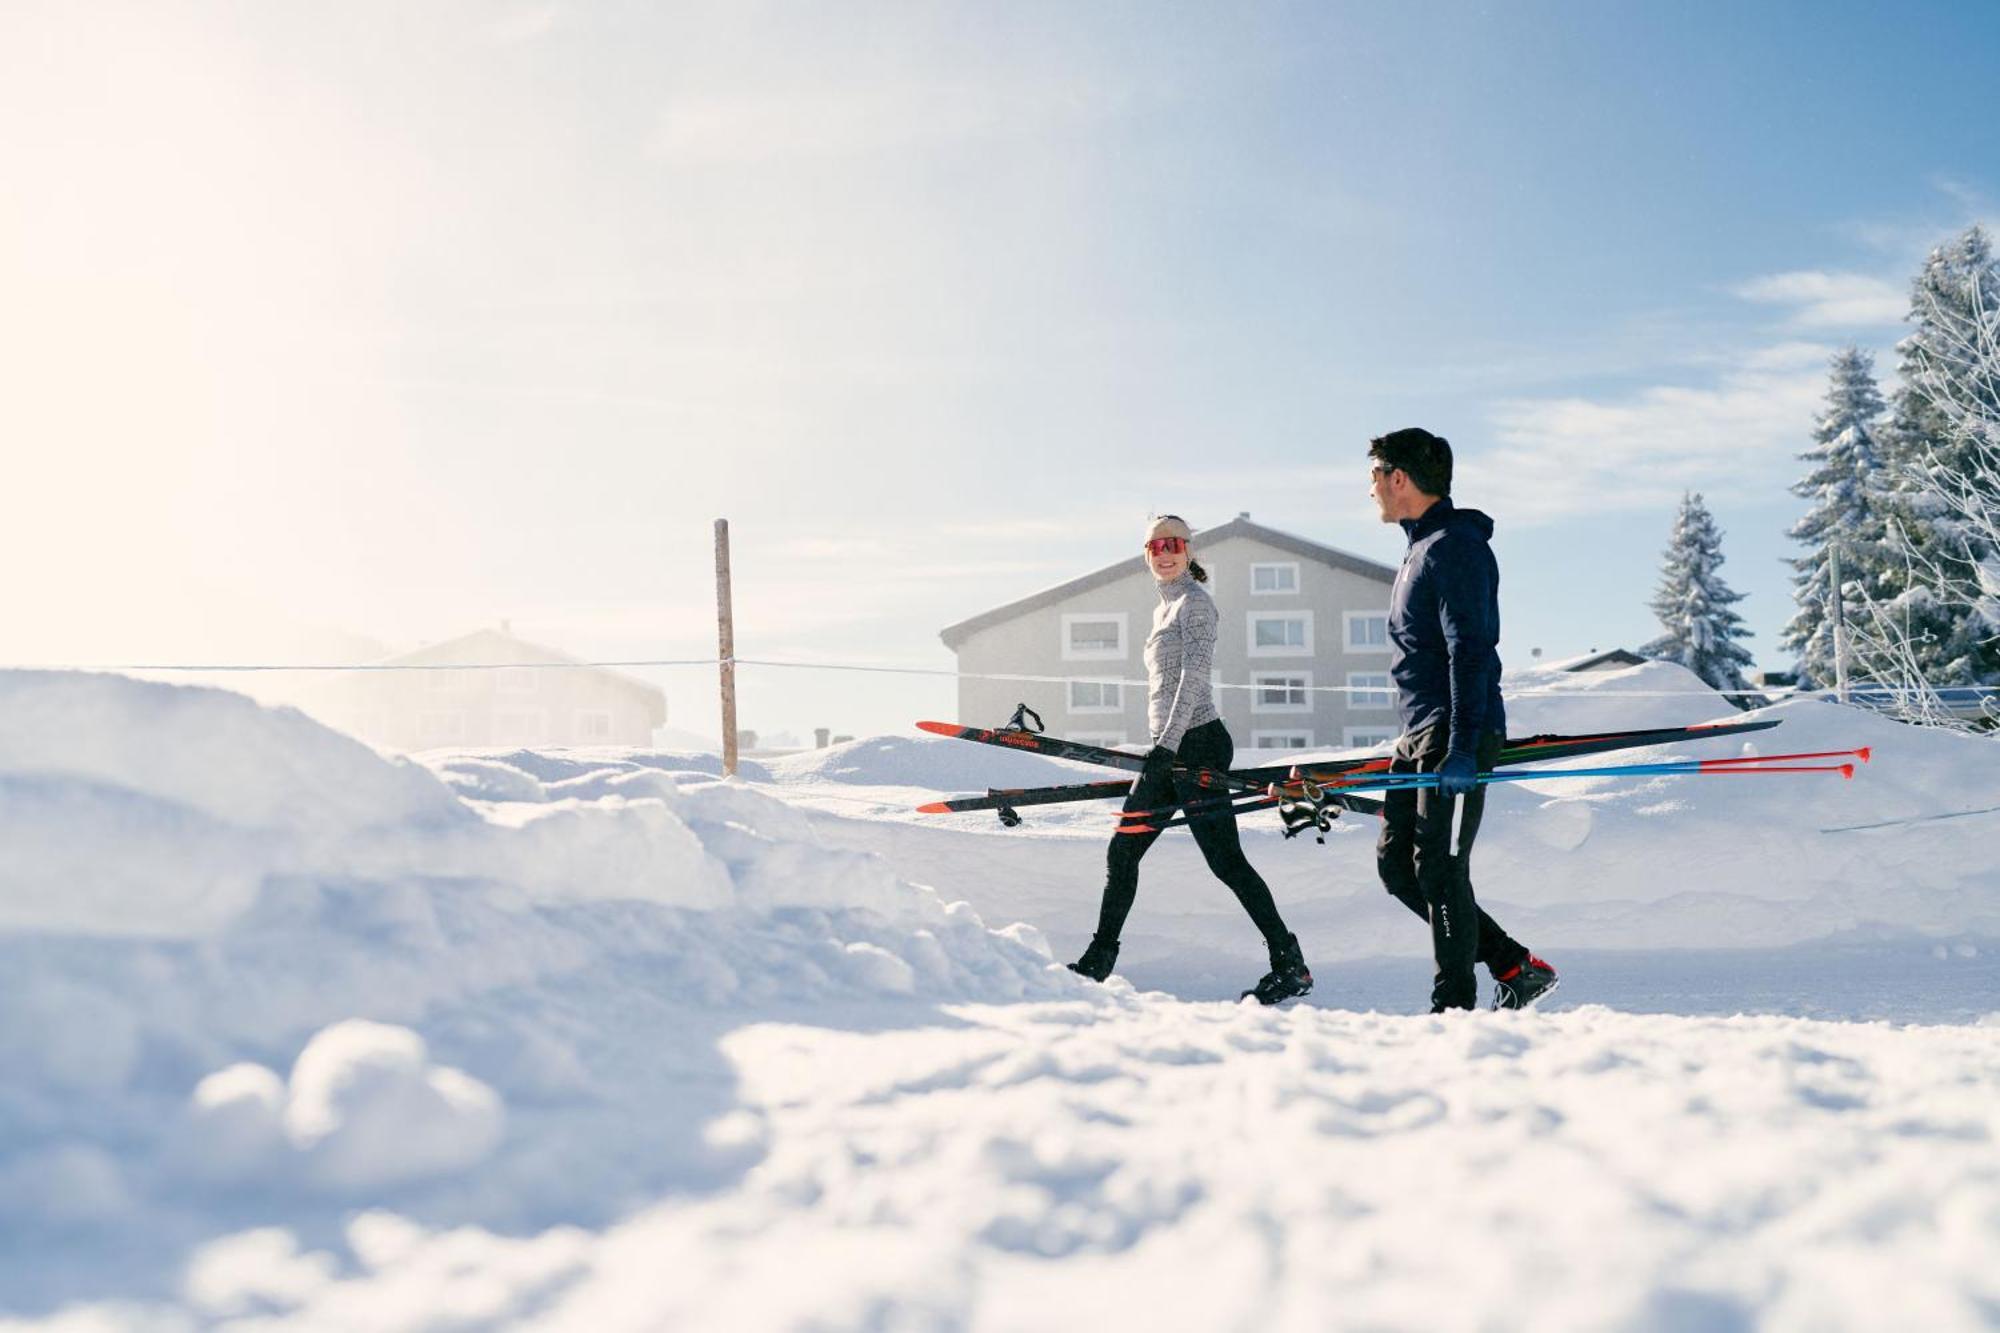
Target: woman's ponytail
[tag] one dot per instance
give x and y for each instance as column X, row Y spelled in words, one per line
column 1195, row 570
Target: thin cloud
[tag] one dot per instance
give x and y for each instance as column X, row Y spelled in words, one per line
column 849, row 121
column 1821, row 300
column 1906, row 240
column 1785, row 356
column 1559, row 457
column 1966, row 194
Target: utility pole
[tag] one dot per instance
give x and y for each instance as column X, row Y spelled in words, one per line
column 725, row 624
column 1839, row 618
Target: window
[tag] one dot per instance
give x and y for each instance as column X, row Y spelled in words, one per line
column 1269, row 580
column 1288, row 635
column 1281, row 692
column 1281, row 740
column 519, row 728
column 440, row 728
column 1096, row 696
column 593, row 727
column 1368, row 689
column 514, row 680
column 1093, row 636
column 1367, row 631
column 1366, row 737
column 445, row 680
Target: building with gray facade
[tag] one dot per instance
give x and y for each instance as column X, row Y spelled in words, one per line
column 1297, row 617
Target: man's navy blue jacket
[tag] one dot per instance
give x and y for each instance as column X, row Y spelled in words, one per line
column 1444, row 626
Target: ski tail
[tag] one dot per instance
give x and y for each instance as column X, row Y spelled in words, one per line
column 1055, row 747
column 1012, row 796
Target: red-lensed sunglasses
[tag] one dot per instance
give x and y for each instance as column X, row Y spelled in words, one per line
column 1173, row 544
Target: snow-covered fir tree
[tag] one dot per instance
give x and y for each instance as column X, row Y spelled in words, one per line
column 1943, row 458
column 1693, row 603
column 1846, row 485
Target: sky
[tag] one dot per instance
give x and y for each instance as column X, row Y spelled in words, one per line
column 326, row 330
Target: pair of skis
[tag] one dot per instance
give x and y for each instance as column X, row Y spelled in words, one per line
column 1313, row 795
column 1283, row 795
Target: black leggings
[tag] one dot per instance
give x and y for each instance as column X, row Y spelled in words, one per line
column 1205, row 746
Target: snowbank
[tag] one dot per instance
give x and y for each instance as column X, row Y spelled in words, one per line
column 247, row 963
column 303, row 1036
column 1653, row 694
column 937, row 763
column 1738, row 861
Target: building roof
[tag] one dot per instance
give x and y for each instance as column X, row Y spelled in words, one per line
column 492, row 645
column 1240, row 526
column 1604, row 661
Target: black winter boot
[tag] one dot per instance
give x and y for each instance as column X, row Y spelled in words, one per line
column 1288, row 976
column 1097, row 960
column 1529, row 981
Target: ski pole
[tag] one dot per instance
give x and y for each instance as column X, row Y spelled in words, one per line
column 1685, row 768
column 1863, row 754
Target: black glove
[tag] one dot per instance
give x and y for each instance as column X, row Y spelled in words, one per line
column 1458, row 775
column 1159, row 767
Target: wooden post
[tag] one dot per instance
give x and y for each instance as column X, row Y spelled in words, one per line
column 725, row 623
column 1839, row 618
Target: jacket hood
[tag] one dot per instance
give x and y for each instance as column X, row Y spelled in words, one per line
column 1474, row 521
column 1445, row 514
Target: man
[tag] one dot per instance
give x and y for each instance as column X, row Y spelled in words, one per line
column 1444, row 628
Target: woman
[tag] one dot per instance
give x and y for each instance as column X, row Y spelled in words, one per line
column 1186, row 729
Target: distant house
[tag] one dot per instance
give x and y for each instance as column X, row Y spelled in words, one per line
column 1610, row 660
column 519, row 704
column 1296, row 616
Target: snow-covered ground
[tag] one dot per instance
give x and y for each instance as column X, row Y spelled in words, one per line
column 300, row 1036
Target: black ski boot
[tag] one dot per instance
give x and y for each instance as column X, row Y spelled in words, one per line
column 1097, row 959
column 1288, row 976
column 1529, row 981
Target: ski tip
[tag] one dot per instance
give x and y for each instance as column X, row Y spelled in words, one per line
column 935, row 808
column 1863, row 752
column 1137, row 828
column 1847, row 771
column 940, row 728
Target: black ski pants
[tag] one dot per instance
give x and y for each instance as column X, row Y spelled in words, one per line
column 1205, row 746
column 1431, row 876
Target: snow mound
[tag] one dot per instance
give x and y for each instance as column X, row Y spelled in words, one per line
column 206, row 752
column 365, row 1108
column 201, row 892
column 556, row 765
column 1653, row 694
column 1734, row 860
column 369, row 1109
column 936, row 763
